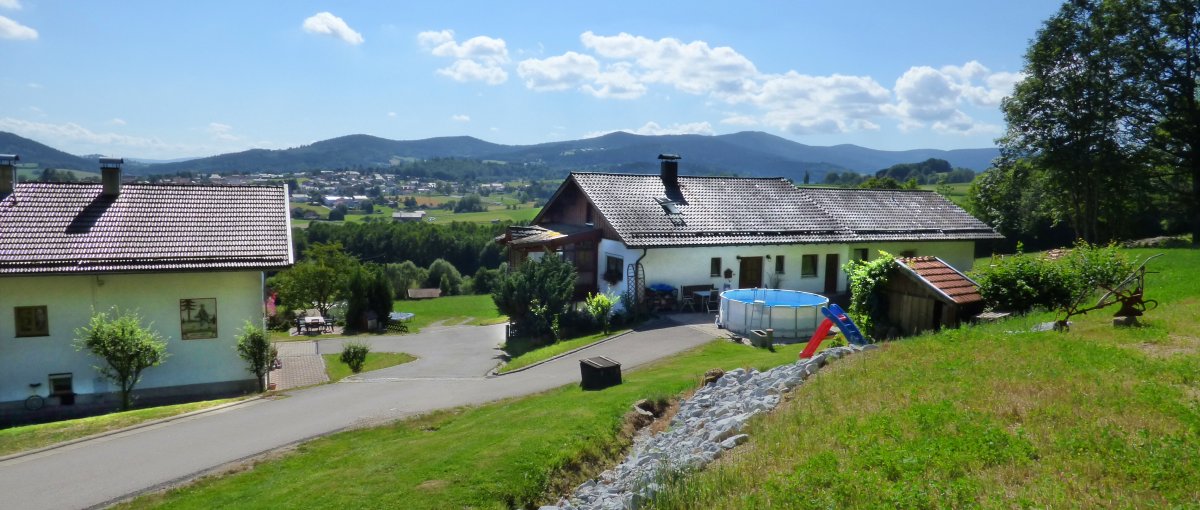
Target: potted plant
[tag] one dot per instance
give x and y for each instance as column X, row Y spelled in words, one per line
column 612, row 276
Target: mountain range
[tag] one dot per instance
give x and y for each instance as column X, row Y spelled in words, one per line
column 745, row 153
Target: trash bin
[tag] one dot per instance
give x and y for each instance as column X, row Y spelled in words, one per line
column 599, row 372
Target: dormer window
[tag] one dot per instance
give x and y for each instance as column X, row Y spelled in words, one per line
column 668, row 205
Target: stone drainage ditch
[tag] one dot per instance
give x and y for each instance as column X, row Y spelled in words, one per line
column 704, row 427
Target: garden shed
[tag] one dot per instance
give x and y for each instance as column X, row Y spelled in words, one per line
column 924, row 293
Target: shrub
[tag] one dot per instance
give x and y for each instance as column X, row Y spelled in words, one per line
column 600, row 306
column 354, row 355
column 536, row 294
column 126, row 347
column 1023, row 282
column 254, row 347
column 867, row 278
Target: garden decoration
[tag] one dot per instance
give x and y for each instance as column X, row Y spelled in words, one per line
column 1130, row 293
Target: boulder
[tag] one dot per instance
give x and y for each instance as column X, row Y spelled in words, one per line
column 712, row 375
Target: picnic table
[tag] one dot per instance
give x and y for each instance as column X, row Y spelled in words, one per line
column 310, row 324
column 399, row 321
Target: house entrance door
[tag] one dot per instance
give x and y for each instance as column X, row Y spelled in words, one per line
column 831, row 273
column 750, row 272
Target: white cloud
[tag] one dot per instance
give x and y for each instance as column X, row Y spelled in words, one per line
column 695, row 67
column 480, row 58
column 391, row 114
column 460, row 118
column 325, row 23
column 470, row 70
column 221, row 132
column 934, row 97
column 72, row 133
column 10, row 29
column 563, row 72
column 117, row 121
column 653, row 128
column 34, row 85
column 10, row 4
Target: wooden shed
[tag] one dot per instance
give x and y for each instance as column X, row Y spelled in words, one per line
column 924, row 293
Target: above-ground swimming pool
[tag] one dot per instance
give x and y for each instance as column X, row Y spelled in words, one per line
column 794, row 315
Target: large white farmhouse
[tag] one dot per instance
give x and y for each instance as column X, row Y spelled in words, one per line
column 188, row 258
column 735, row 232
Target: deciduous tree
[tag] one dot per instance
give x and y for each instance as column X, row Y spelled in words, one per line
column 126, row 347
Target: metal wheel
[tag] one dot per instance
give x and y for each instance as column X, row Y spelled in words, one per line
column 34, row 402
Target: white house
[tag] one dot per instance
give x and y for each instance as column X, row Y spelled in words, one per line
column 188, row 258
column 735, row 232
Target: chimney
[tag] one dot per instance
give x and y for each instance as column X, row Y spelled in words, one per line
column 670, row 169
column 8, row 173
column 110, row 175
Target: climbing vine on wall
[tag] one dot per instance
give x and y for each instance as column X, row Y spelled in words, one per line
column 866, row 283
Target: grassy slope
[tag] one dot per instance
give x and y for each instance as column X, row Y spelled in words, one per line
column 478, row 309
column 1097, row 417
column 493, row 456
column 336, row 370
column 18, row 439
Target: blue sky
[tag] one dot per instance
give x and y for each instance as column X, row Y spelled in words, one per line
column 178, row 79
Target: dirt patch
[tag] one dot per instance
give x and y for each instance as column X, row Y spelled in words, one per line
column 1176, row 345
column 433, row 485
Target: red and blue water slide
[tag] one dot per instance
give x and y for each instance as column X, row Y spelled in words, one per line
column 834, row 316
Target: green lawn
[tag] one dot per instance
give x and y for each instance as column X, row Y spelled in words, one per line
column 497, row 456
column 525, row 354
column 336, row 370
column 28, row 437
column 1094, row 418
column 451, row 310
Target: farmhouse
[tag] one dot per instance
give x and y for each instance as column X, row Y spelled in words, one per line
column 623, row 230
column 189, row 259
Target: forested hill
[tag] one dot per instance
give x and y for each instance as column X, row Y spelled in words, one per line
column 745, row 153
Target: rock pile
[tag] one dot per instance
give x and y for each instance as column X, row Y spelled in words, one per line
column 705, row 426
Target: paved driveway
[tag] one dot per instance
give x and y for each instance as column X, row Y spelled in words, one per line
column 449, row 374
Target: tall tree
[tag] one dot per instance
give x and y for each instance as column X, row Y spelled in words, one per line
column 1067, row 115
column 1164, row 48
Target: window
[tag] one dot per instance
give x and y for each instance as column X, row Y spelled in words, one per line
column 808, row 266
column 588, row 218
column 613, row 267
column 908, row 253
column 861, row 254
column 779, row 264
column 32, row 321
column 714, row 267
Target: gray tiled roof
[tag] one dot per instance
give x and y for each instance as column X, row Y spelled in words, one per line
column 884, row 215
column 737, row 211
column 71, row 228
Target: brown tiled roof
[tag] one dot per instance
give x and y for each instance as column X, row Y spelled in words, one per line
column 945, row 279
column 72, row 228
column 738, row 210
column 886, row 215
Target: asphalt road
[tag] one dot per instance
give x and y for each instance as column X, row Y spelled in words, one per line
column 450, row 373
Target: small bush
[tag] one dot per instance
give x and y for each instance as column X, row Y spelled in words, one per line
column 600, row 306
column 354, row 355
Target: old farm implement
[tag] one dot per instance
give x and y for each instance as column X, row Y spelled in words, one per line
column 1129, row 292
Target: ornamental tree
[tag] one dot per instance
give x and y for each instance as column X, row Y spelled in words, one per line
column 126, row 347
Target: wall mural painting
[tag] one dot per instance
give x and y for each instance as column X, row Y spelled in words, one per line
column 198, row 318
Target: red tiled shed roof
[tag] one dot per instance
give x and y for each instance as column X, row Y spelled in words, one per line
column 48, row 228
column 943, row 278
